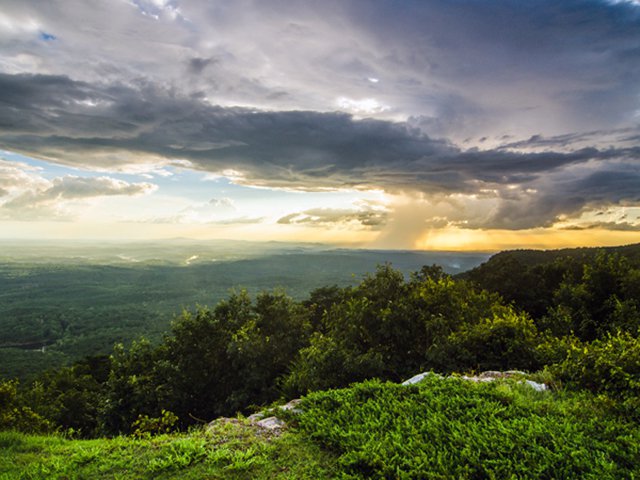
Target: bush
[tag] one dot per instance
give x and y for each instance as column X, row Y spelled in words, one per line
column 610, row 366
column 145, row 426
column 504, row 342
column 16, row 416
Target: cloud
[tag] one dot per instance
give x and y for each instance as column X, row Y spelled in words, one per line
column 567, row 194
column 573, row 141
column 191, row 216
column 371, row 218
column 239, row 221
column 223, row 204
column 474, row 68
column 616, row 226
column 197, row 65
column 99, row 126
column 18, row 176
column 35, row 198
column 215, row 211
column 70, row 187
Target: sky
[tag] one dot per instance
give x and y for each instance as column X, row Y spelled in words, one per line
column 447, row 125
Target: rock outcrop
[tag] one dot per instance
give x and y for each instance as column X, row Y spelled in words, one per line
column 488, row 376
column 264, row 421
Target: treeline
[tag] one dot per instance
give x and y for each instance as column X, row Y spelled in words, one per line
column 585, row 291
column 581, row 327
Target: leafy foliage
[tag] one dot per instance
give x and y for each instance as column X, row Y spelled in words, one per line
column 136, row 386
column 449, row 428
column 503, row 342
column 586, row 292
column 602, row 300
column 440, row 428
column 14, row 415
column 610, row 366
column 145, row 426
column 389, row 328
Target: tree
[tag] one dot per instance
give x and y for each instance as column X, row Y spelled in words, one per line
column 138, row 384
column 504, row 342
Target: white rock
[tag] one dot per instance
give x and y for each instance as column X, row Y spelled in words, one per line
column 479, row 378
column 539, row 387
column 419, row 377
column 271, row 423
column 292, row 406
column 488, row 376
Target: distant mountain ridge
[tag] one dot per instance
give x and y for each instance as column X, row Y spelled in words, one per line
column 531, row 257
column 531, row 279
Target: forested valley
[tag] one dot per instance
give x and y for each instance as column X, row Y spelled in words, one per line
column 60, row 303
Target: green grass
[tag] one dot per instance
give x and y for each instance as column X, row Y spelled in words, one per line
column 439, row 429
column 450, row 428
column 232, row 450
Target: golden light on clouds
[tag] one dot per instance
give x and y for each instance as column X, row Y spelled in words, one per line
column 459, row 239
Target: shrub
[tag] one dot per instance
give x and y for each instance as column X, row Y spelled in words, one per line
column 14, row 415
column 145, row 426
column 504, row 342
column 610, row 366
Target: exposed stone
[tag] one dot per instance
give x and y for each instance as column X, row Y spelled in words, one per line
column 271, row 423
column 419, row 377
column 292, row 406
column 514, row 373
column 498, row 374
column 256, row 416
column 540, row 387
column 477, row 378
column 266, row 428
column 488, row 376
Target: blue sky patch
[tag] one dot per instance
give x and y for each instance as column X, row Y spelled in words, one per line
column 47, row 37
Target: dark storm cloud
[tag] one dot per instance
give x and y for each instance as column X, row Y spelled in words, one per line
column 277, row 147
column 197, row 65
column 618, row 226
column 77, row 123
column 621, row 136
column 567, row 194
column 468, row 68
column 295, row 148
column 568, row 65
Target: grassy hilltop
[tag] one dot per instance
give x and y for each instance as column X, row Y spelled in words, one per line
column 440, row 428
